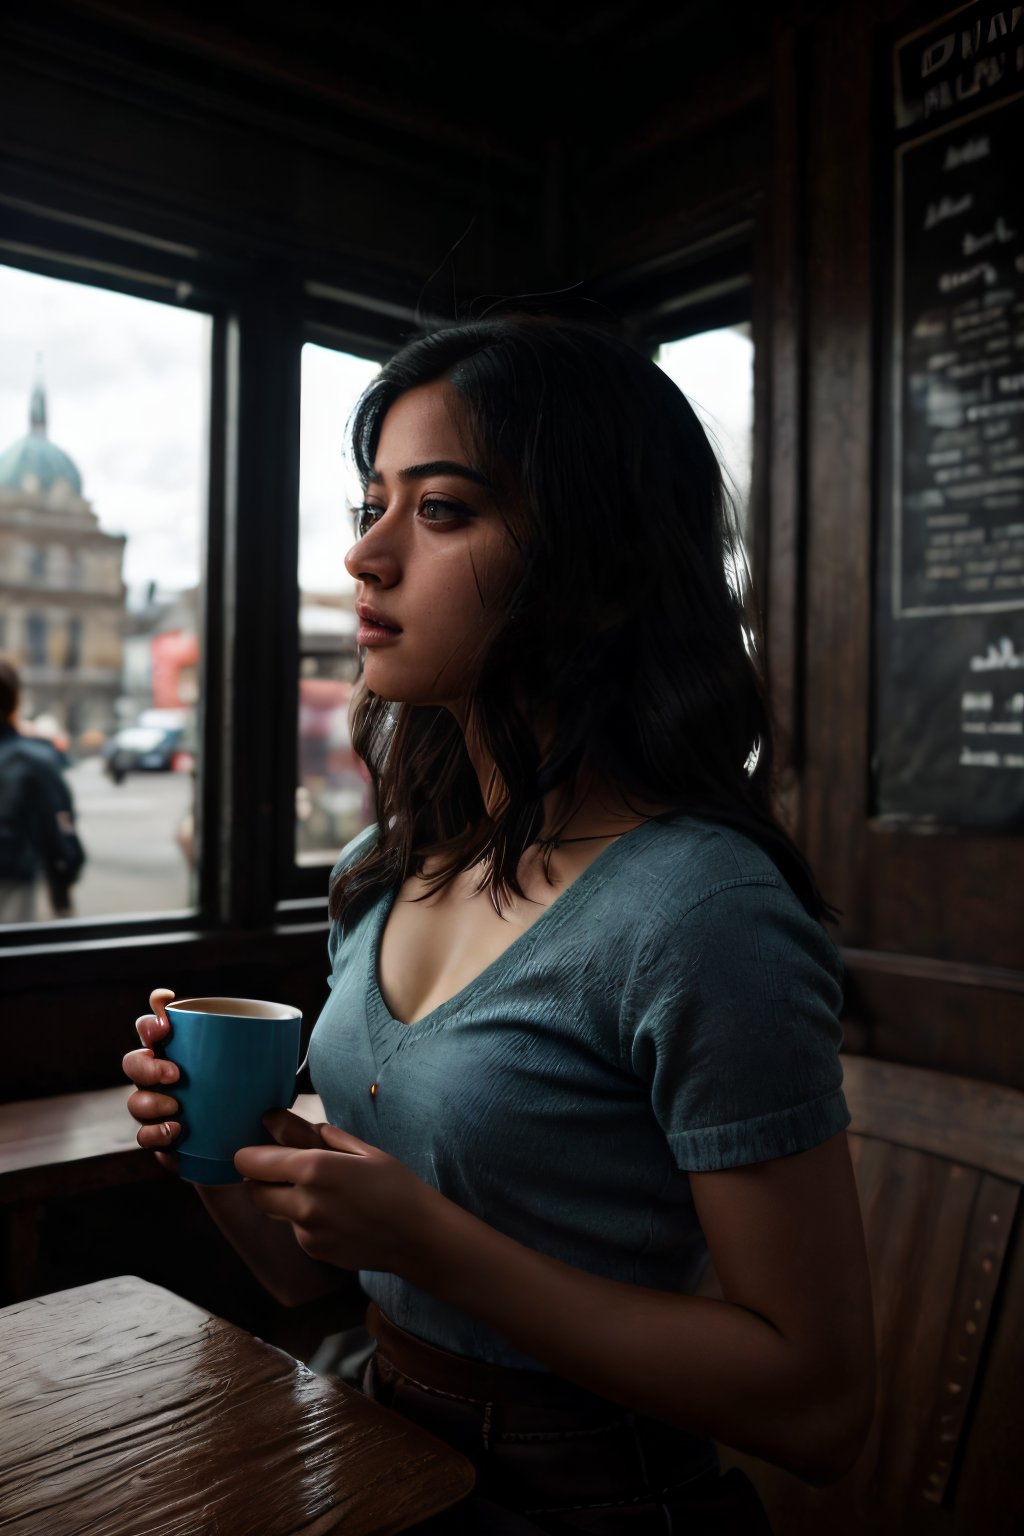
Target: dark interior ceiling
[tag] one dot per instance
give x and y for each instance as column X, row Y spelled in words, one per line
column 413, row 146
column 511, row 77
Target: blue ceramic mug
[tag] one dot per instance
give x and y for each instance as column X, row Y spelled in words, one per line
column 237, row 1057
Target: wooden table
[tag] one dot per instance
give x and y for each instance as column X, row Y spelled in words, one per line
column 127, row 1411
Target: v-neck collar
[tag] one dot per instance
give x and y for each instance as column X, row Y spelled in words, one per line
column 381, row 1017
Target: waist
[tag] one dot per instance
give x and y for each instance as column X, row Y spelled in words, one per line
column 546, row 1447
column 439, row 1370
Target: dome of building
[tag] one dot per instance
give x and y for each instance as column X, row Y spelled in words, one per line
column 33, row 463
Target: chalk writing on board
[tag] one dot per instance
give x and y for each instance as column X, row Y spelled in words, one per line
column 958, row 497
column 948, row 708
column 992, row 709
column 973, row 54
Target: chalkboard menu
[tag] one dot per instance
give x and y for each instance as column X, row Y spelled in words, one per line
column 949, row 615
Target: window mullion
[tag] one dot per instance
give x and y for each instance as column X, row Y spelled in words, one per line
column 260, row 595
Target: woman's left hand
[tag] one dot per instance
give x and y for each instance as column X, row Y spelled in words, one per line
column 349, row 1204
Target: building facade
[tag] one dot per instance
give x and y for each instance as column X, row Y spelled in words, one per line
column 62, row 594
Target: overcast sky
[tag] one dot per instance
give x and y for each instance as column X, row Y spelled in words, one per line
column 126, row 389
column 126, row 386
column 331, row 384
column 126, row 399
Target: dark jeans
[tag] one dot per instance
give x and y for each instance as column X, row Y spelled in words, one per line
column 564, row 1460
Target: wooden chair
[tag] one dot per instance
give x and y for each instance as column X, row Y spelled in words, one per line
column 939, row 1163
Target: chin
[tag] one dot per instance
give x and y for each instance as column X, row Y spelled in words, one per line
column 394, row 694
column 392, row 691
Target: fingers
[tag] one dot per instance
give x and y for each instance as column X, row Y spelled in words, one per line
column 283, row 1202
column 154, row 1027
column 342, row 1141
column 152, row 1030
column 291, row 1130
column 275, row 1165
column 149, row 1107
column 146, row 1070
column 160, row 1137
column 158, row 1000
column 153, row 1109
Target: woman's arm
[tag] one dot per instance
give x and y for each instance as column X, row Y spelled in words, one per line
column 269, row 1248
column 783, row 1367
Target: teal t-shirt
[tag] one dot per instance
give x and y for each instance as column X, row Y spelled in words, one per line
column 674, row 1010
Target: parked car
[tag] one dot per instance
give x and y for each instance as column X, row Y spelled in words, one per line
column 141, row 747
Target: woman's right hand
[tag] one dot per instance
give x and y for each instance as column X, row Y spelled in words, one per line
column 151, row 1105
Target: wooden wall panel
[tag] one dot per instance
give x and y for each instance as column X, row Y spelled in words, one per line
column 838, row 463
column 779, row 301
column 956, row 897
column 957, row 1018
column 67, row 1016
column 905, row 899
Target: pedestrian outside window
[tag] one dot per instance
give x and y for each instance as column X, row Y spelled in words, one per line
column 333, row 800
column 103, row 475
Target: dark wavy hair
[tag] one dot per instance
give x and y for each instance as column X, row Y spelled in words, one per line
column 631, row 624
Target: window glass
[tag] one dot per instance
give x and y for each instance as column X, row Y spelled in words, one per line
column 333, row 790
column 715, row 371
column 103, row 470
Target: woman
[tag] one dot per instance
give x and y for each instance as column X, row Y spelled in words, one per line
column 582, row 1027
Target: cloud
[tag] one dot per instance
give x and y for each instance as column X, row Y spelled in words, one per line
column 127, row 397
column 126, row 385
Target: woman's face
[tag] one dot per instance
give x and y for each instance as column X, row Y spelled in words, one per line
column 433, row 561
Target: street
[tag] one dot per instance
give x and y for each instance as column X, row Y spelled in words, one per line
column 133, row 865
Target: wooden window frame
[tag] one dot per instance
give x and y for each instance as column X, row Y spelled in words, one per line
column 261, row 312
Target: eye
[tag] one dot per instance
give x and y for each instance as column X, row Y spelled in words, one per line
column 364, row 517
column 434, row 509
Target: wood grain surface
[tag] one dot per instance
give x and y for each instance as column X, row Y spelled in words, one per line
column 130, row 1412
column 76, row 1141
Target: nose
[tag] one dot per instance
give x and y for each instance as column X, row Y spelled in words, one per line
column 372, row 558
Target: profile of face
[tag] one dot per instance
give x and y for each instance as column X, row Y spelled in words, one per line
column 433, row 561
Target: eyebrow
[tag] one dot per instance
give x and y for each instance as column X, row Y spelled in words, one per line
column 435, row 467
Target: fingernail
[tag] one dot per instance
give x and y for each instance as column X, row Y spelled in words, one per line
column 169, row 1073
column 165, row 1131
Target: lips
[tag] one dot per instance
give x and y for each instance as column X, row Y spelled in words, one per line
column 373, row 619
column 376, row 631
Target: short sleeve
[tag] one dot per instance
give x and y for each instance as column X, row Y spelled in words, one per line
column 350, row 854
column 733, row 1025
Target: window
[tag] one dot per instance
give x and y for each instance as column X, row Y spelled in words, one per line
column 72, row 660
column 333, row 795
column 715, row 371
column 35, row 642
column 103, row 431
